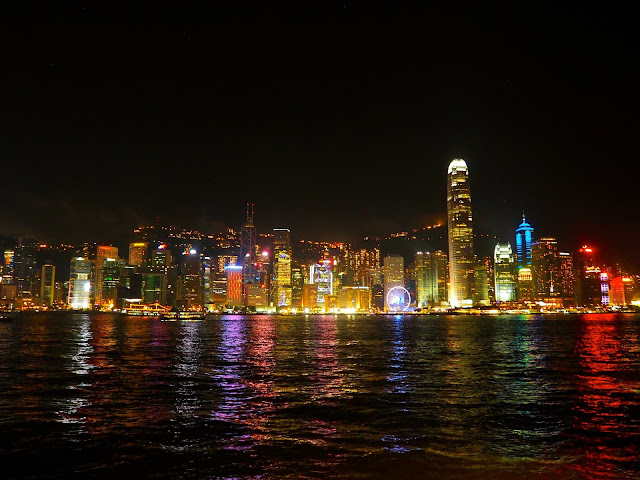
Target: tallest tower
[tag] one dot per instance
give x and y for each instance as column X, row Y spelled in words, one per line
column 460, row 234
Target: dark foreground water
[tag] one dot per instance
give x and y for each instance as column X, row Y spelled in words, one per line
column 104, row 396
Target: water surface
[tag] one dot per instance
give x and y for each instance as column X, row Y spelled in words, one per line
column 533, row 397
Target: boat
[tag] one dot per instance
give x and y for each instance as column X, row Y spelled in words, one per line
column 182, row 315
column 140, row 309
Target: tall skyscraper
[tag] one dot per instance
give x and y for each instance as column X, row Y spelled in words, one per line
column 248, row 251
column 192, row 293
column 524, row 236
column 322, row 276
column 460, row 233
column 137, row 253
column 47, row 285
column 504, row 273
column 393, row 272
column 545, row 266
column 80, row 278
column 103, row 252
column 281, row 284
column 431, row 278
column 234, row 285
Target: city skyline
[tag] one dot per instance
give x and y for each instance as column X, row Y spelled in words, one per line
column 336, row 124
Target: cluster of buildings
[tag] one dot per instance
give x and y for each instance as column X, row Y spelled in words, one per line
column 243, row 271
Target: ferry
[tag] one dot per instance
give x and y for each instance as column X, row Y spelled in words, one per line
column 182, row 315
column 141, row 309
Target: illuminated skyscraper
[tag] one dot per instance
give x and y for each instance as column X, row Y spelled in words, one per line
column 234, row 285
column 8, row 267
column 111, row 278
column 545, row 266
column 393, row 272
column 47, row 285
column 565, row 286
column 281, row 283
column 137, row 253
column 103, row 252
column 248, row 251
column 460, row 233
column 192, row 293
column 524, row 236
column 322, row 276
column 431, row 278
column 80, row 278
column 25, row 261
column 504, row 273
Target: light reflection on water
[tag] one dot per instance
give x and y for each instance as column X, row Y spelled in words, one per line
column 320, row 396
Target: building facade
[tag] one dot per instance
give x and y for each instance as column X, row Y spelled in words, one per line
column 460, row 235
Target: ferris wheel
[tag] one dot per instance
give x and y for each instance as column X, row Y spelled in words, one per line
column 398, row 299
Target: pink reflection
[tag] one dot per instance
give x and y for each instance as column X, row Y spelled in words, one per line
column 600, row 412
column 328, row 377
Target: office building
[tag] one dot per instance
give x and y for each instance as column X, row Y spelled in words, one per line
column 393, row 275
column 460, row 235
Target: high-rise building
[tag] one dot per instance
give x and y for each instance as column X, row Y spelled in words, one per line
column 524, row 238
column 460, row 234
column 248, row 251
column 322, row 276
column 504, row 273
column 192, row 292
column 309, row 296
column 430, row 270
column 111, row 277
column 355, row 299
column 161, row 259
column 481, row 284
column 281, row 282
column 137, row 253
column 360, row 262
column 103, row 252
column 565, row 286
column 297, row 283
column 393, row 273
column 234, row 285
column 154, row 288
column 224, row 260
column 80, row 278
column 544, row 266
column 621, row 292
column 25, row 262
column 47, row 285
column 8, row 267
column 592, row 281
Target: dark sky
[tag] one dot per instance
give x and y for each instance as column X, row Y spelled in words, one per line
column 337, row 119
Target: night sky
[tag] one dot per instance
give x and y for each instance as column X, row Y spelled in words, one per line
column 336, row 119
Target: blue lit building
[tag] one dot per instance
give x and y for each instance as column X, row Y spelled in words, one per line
column 524, row 235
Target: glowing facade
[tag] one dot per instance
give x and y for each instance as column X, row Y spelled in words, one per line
column 234, row 285
column 503, row 273
column 460, row 234
column 137, row 253
column 281, row 285
column 524, row 236
column 431, row 278
column 103, row 253
column 322, row 276
column 80, row 288
column 393, row 273
column 47, row 285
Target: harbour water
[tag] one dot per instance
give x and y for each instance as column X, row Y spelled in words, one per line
column 266, row 397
